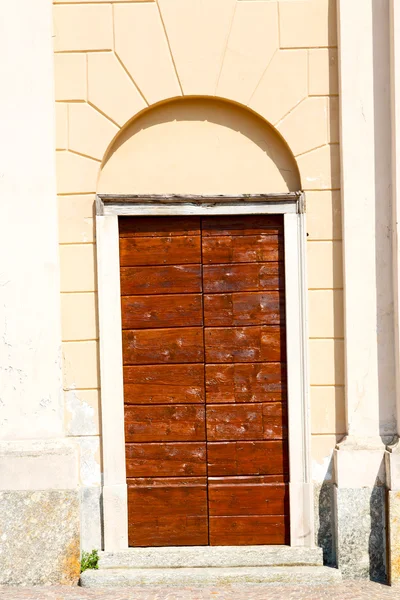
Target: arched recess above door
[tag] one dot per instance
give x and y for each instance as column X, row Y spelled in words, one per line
column 198, row 146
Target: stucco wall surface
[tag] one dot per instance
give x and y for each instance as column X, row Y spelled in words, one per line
column 275, row 60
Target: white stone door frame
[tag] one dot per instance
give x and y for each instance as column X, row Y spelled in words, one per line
column 108, row 209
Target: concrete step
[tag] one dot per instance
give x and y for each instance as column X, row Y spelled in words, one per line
column 209, row 576
column 211, row 556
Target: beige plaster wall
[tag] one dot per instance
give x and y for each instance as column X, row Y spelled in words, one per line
column 115, row 60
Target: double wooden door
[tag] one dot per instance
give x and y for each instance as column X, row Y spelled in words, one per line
column 204, row 380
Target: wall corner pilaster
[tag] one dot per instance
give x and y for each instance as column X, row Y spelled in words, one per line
column 360, row 508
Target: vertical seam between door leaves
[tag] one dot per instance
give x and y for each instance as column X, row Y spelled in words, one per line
column 205, row 386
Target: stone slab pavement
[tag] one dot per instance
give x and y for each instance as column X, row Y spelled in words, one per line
column 348, row 590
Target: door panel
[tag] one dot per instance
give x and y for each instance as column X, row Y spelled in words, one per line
column 160, row 280
column 165, row 459
column 246, row 421
column 164, row 423
column 205, row 392
column 159, row 227
column 159, row 346
column 176, row 310
column 247, row 458
column 244, row 382
column 241, row 249
column 244, row 344
column 234, row 422
column 246, row 498
column 163, row 352
column 247, row 277
column 248, row 530
column 226, row 310
column 167, row 512
column 159, row 250
column 244, row 338
column 241, row 225
column 164, row 384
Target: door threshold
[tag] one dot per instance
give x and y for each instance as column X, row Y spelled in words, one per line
column 211, row 556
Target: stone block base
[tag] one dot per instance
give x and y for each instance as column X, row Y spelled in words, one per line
column 39, row 537
column 361, row 532
column 91, row 519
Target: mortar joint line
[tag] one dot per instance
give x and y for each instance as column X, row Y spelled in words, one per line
column 225, row 49
column 262, row 77
column 117, row 56
column 169, row 47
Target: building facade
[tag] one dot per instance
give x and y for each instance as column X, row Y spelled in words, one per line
column 283, row 113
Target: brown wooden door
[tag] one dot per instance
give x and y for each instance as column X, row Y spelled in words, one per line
column 204, row 380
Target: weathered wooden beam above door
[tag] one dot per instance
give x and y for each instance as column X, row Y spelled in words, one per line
column 174, row 204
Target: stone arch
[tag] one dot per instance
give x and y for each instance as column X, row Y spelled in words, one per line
column 198, row 145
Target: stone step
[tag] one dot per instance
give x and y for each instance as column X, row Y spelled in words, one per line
column 209, row 576
column 211, row 556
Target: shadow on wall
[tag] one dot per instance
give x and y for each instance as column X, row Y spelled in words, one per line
column 325, row 521
column 377, row 536
column 199, row 146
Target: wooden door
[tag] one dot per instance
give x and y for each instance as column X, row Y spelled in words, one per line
column 204, row 380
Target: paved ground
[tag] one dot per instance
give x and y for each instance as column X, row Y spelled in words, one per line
column 345, row 591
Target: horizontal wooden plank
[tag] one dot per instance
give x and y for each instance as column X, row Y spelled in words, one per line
column 246, row 421
column 234, row 422
column 227, row 499
column 155, row 530
column 247, row 458
column 169, row 514
column 176, row 250
column 158, row 226
column 242, row 248
column 183, row 423
column 166, row 459
column 244, row 277
column 249, row 530
column 244, row 344
column 167, row 482
column 169, row 497
column 245, row 382
column 174, row 279
column 155, row 346
column 164, row 384
column 248, row 308
column 275, row 421
column 242, row 225
column 176, row 310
